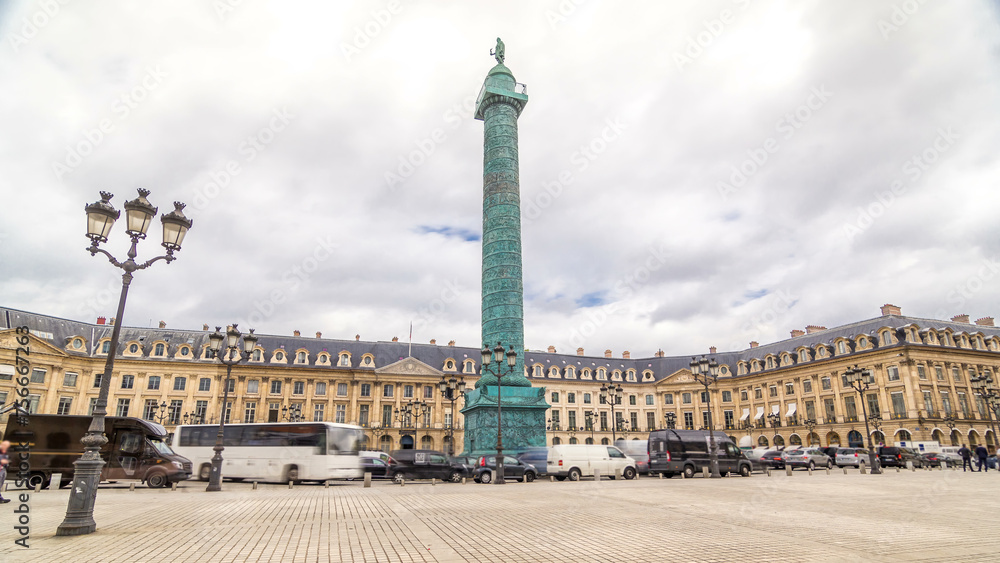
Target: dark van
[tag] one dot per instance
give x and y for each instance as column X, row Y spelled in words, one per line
column 425, row 464
column 686, row 451
column 897, row 457
column 140, row 450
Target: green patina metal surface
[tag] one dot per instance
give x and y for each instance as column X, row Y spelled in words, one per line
column 523, row 419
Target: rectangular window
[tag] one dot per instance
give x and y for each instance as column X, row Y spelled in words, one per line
column 898, row 405
column 650, row 421
column 807, row 386
column 789, row 389
column 341, row 414
column 555, row 398
column 830, row 411
column 704, row 397
column 727, row 416
column 946, row 403
column 744, row 395
column 689, row 420
column 555, row 420
column 963, row 404
column 811, row 410
column 341, row 389
column 427, row 418
column 447, row 420
column 180, row 383
column 363, row 415
column 874, row 411
column 922, row 372
column 200, row 410
column 228, row 411
column 204, row 384
column 956, row 374
column 407, row 391
column 571, row 398
column 37, row 375
column 153, row 382
column 366, row 389
column 174, row 412
column 668, row 399
column 928, row 403
column 632, row 400
column 633, row 419
column 428, row 392
column 981, row 406
column 92, row 406
column 250, row 412
column 128, row 381
column 939, row 373
column 892, row 372
column 33, row 403
column 851, row 409
column 123, row 405
column 6, row 372
column 651, row 401
column 604, row 421
column 97, row 379
column 758, row 393
column 844, row 382
column 387, row 391
column 319, row 411
column 231, row 385
column 972, row 373
column 826, row 384
column 253, row 387
column 64, row 405
column 149, row 409
column 320, row 388
column 685, row 398
column 772, row 391
column 586, row 398
column 276, row 387
column 298, row 387
column 387, row 416
column 705, row 423
column 69, row 379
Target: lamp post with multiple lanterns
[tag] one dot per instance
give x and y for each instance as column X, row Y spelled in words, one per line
column 451, row 389
column 671, row 420
column 101, row 216
column 612, row 393
column 292, row 414
column 493, row 363
column 983, row 384
column 706, row 372
column 589, row 416
column 230, row 356
column 809, row 423
column 861, row 380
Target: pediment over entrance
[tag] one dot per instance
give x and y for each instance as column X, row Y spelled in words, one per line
column 679, row 376
column 409, row 366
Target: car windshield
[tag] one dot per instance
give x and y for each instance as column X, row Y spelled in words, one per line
column 160, row 447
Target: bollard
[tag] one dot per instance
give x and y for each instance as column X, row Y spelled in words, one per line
column 810, row 470
column 326, row 484
column 131, row 487
column 289, row 484
column 618, row 473
column 827, row 470
column 941, row 467
column 909, row 465
column 788, row 470
column 38, row 488
column 55, row 481
column 174, row 486
column 897, row 469
column 597, row 475
column 433, row 481
column 463, row 480
column 845, row 470
column 704, row 472
column 368, row 479
column 683, row 475
column 402, row 482
column 768, row 471
column 255, row 485
column 661, row 475
column 863, row 470
column 552, row 478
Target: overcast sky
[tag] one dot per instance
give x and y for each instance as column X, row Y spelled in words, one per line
column 692, row 174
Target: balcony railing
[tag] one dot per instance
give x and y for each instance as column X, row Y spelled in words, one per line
column 898, row 415
column 851, row 418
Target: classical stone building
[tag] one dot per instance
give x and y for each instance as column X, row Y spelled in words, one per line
column 768, row 394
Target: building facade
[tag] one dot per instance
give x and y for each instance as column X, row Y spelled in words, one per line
column 783, row 393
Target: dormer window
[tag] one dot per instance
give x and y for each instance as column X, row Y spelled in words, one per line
column 862, row 342
column 449, row 365
column 470, row 366
column 841, row 347
column 133, row 348
column 300, row 358
column 279, row 356
column 345, row 360
column 185, row 350
column 886, row 338
column 570, row 372
column 158, row 351
column 803, row 357
column 256, row 355
column 770, row 362
column 602, row 373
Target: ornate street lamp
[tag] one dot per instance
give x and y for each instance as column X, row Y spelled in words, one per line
column 451, row 389
column 983, row 384
column 377, row 432
column 747, row 426
column 230, row 356
column 163, row 413
column 706, row 372
column 590, row 415
column 861, row 380
column 293, row 414
column 612, row 393
column 101, row 216
column 493, row 364
column 774, row 419
column 671, row 419
column 810, row 423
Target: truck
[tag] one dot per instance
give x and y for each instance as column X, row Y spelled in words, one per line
column 136, row 449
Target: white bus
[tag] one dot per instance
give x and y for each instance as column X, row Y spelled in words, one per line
column 275, row 452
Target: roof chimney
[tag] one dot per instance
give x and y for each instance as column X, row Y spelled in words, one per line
column 660, row 353
column 960, row 319
column 101, row 320
column 754, row 344
column 888, row 309
column 607, row 353
column 163, row 324
column 113, row 321
column 319, row 334
column 712, row 350
column 985, row 321
column 552, row 349
column 579, row 351
column 357, row 337
column 434, row 341
column 814, row 328
column 626, row 355
column 204, row 327
column 296, row 333
column 797, row 333
column 451, row 343
column 395, row 339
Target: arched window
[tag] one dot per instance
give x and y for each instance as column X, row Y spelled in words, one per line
column 385, row 444
column 323, row 358
column 904, row 435
column 762, row 441
column 345, row 360
column 589, row 441
column 886, row 338
column 159, row 350
column 605, row 442
column 301, row 358
column 803, row 356
column 841, row 347
column 106, row 347
column 427, row 443
column 855, row 440
column 573, row 440
column 778, row 441
column 555, row 440
column 470, row 366
column 770, row 362
column 257, row 356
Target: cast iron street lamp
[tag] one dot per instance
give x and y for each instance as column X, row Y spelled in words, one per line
column 983, row 384
column 949, row 421
column 671, row 419
column 747, row 426
column 411, row 412
column 196, row 417
column 163, row 413
column 451, row 389
column 611, row 393
column 774, row 419
column 496, row 356
column 590, row 415
column 377, row 432
column 293, row 414
column 810, row 423
column 230, row 356
column 706, row 372
column 861, row 380
column 101, row 216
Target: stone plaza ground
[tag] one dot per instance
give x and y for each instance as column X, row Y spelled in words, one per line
column 898, row 516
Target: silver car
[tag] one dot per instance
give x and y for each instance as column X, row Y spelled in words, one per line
column 807, row 457
column 852, row 457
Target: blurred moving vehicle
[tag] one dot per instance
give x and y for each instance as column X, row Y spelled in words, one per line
column 852, row 457
column 686, row 452
column 810, row 458
column 773, row 459
column 513, row 468
column 935, row 459
column 377, row 467
column 425, row 464
column 539, row 457
column 894, row 456
column 638, row 450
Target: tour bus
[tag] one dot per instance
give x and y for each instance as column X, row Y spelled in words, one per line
column 275, row 452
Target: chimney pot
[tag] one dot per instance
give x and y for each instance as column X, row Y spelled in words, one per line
column 434, row 341
column 797, row 333
column 552, row 349
column 754, row 344
column 357, row 337
column 985, row 321
column 296, row 333
column 204, row 327
column 660, row 353
column 451, row 343
column 607, row 353
column 712, row 350
column 113, row 321
column 163, row 324
column 960, row 318
column 101, row 320
column 626, row 355
column 814, row 328
column 888, row 309
column 579, row 351
column 319, row 334
column 395, row 339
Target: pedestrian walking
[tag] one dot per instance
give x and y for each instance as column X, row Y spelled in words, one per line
column 981, row 455
column 966, row 454
column 4, row 462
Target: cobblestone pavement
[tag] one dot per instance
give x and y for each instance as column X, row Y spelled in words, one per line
column 904, row 516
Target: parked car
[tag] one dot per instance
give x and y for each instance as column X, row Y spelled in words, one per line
column 375, row 454
column 512, row 469
column 892, row 456
column 637, row 450
column 574, row 461
column 535, row 456
column 686, row 451
column 377, row 467
column 425, row 464
column 830, row 451
column 852, row 457
column 773, row 459
column 810, row 458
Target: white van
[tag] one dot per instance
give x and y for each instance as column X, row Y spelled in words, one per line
column 574, row 461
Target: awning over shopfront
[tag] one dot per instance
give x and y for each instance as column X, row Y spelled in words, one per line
column 760, row 413
column 746, row 415
column 791, row 410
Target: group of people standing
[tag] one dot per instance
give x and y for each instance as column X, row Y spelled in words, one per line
column 981, row 455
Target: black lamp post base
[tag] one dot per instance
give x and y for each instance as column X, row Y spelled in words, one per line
column 79, row 519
